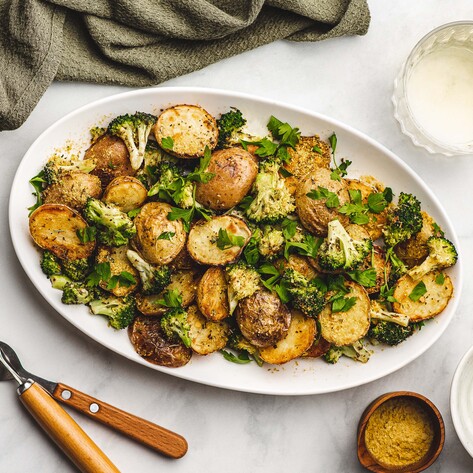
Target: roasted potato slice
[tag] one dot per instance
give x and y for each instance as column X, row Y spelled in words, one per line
column 111, row 158
column 234, row 172
column 212, row 297
column 318, row 348
column 299, row 337
column 263, row 319
column 206, row 336
column 414, row 250
column 119, row 262
column 125, row 192
column 54, row 227
column 73, row 189
column 202, row 241
column 191, row 128
column 185, row 282
column 345, row 328
column 183, row 261
column 439, row 292
column 314, row 213
column 150, row 224
column 149, row 342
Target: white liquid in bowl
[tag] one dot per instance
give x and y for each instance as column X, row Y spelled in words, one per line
column 440, row 95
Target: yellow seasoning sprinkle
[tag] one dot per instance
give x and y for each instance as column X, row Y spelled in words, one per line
column 399, row 433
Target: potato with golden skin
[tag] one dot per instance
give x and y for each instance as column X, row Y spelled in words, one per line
column 212, row 297
column 191, row 129
column 54, row 227
column 111, row 158
column 150, row 224
column 234, row 172
column 73, row 189
column 314, row 213
column 149, row 342
column 263, row 319
column 125, row 192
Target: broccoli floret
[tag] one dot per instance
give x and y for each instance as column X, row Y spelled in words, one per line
column 59, row 281
column 271, row 243
column 119, row 310
column 243, row 281
column 59, row 165
column 171, row 186
column 306, row 295
column 389, row 333
column 442, row 254
column 398, row 268
column 134, row 131
column 176, row 326
column 96, row 132
column 340, row 251
column 228, row 124
column 239, row 343
column 357, row 352
column 272, row 201
column 50, row 263
column 76, row 269
column 77, row 293
column 115, row 227
column 153, row 278
column 403, row 221
column 379, row 312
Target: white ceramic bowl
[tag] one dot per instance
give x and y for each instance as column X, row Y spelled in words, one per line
column 461, row 401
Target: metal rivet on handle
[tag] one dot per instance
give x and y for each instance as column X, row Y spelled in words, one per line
column 94, row 408
column 66, row 394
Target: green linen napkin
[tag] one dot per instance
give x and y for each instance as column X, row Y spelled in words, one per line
column 145, row 42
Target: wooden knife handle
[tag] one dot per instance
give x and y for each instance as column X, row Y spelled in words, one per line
column 158, row 438
column 62, row 428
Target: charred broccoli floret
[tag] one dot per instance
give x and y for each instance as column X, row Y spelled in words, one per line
column 228, row 124
column 153, row 278
column 442, row 254
column 76, row 269
column 389, row 333
column 57, row 166
column 340, row 251
column 50, row 264
column 119, row 310
column 271, row 243
column 243, row 281
column 306, row 295
column 357, row 352
column 96, row 132
column 152, row 158
column 78, row 293
column 115, row 227
column 134, row 131
column 379, row 312
column 403, row 221
column 272, row 201
column 59, row 281
column 176, row 326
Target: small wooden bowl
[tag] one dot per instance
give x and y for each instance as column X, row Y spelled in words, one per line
column 370, row 463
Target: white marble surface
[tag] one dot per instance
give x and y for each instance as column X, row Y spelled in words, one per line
column 349, row 79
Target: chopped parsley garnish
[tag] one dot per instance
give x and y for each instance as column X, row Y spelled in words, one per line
column 166, row 236
column 366, row 278
column 323, row 193
column 440, row 279
column 418, row 292
column 37, row 182
column 167, row 143
column 171, row 299
column 241, row 359
column 226, row 240
column 103, row 273
column 86, row 234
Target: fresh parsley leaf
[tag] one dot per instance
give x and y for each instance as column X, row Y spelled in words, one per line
column 317, row 149
column 387, row 294
column 437, row 230
column 418, row 292
column 366, row 278
column 340, row 171
column 337, row 283
column 251, row 253
column 86, row 234
column 283, row 132
column 284, row 172
column 101, row 272
column 245, row 202
column 440, row 279
column 309, row 246
column 266, row 147
column 37, row 182
column 241, row 359
column 323, row 193
column 166, row 236
column 332, row 139
column 226, row 240
column 388, row 194
column 275, row 282
column 343, row 304
column 167, row 143
column 124, row 279
column 186, row 215
column 133, row 213
column 171, row 299
column 289, row 228
column 355, row 209
column 200, row 174
column 377, row 202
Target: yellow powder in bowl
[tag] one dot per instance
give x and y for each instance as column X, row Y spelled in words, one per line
column 399, row 433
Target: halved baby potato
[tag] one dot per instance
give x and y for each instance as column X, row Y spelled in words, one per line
column 191, row 129
column 149, row 342
column 206, row 336
column 54, row 227
column 185, row 282
column 439, row 292
column 345, row 328
column 150, row 224
column 318, row 348
column 125, row 192
column 202, row 241
column 212, row 295
column 234, row 172
column 299, row 338
column 119, row 262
